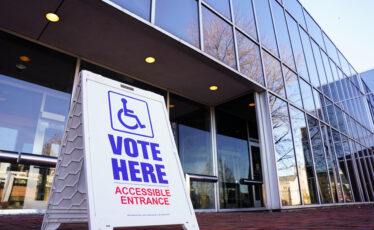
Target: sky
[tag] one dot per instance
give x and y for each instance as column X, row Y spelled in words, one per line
column 350, row 25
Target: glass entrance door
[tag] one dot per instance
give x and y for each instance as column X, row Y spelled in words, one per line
column 239, row 160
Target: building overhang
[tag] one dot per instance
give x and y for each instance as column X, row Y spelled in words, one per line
column 98, row 32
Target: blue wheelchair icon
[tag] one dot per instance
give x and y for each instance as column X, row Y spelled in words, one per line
column 128, row 113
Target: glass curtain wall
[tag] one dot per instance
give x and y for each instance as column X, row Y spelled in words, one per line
column 254, row 37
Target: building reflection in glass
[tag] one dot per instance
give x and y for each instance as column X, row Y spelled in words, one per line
column 24, row 186
column 32, row 117
column 285, row 157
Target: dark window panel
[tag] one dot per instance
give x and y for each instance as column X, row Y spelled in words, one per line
column 234, row 120
column 190, row 122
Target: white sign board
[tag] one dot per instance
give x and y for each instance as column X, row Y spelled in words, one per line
column 118, row 165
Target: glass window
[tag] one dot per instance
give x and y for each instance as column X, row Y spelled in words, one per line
column 35, row 96
column 244, row 17
column 314, row 29
column 331, row 164
column 330, row 79
column 236, row 162
column 319, row 160
column 361, row 177
column 190, row 123
column 218, row 38
column 265, row 25
column 339, row 86
column 309, row 59
column 179, row 18
column 307, row 93
column 202, row 195
column 324, row 108
column 24, row 186
column 284, row 42
column 333, row 87
column 273, row 74
column 222, row 6
column 344, row 174
column 33, row 117
column 304, row 157
column 339, row 116
column 140, row 7
column 285, row 157
column 344, row 63
column 249, row 58
column 318, row 103
column 321, row 71
column 297, row 47
column 331, row 113
column 292, row 86
column 296, row 10
column 331, row 49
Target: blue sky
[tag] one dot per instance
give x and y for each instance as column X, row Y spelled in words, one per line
column 350, row 25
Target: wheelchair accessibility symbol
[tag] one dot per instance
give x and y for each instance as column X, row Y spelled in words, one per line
column 129, row 115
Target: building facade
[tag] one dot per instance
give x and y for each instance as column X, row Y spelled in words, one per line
column 266, row 112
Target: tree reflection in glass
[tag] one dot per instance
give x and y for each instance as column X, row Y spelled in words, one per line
column 273, row 74
column 218, row 38
column 303, row 156
column 285, row 157
column 244, row 17
column 284, row 42
column 249, row 58
column 319, row 160
column 292, row 86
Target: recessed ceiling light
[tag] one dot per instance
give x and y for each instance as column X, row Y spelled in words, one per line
column 171, row 106
column 252, row 104
column 52, row 17
column 21, row 67
column 24, row 58
column 213, row 88
column 150, row 59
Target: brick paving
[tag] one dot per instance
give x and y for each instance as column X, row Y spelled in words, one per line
column 344, row 217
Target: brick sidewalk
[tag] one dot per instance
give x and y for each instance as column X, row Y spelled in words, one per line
column 354, row 217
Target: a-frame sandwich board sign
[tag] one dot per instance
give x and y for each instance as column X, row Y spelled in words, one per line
column 118, row 165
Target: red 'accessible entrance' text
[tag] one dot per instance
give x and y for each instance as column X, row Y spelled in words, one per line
column 143, row 196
